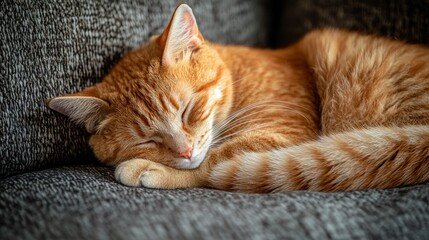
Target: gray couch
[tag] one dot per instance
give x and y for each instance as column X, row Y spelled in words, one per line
column 50, row 184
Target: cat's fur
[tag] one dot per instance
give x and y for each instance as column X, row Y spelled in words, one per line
column 336, row 111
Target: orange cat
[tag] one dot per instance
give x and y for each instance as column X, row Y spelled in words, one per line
column 337, row 111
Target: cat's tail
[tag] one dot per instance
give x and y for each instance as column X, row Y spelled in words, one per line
column 379, row 157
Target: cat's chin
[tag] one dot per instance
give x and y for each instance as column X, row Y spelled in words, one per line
column 187, row 164
column 194, row 162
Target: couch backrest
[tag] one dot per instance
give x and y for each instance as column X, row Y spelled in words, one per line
column 406, row 20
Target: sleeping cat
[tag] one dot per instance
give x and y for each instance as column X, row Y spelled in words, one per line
column 337, row 111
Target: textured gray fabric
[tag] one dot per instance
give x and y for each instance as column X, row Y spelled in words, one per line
column 400, row 19
column 52, row 47
column 84, row 202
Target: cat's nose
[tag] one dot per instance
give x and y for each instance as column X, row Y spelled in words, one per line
column 186, row 154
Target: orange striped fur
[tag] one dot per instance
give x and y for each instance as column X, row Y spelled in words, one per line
column 337, row 111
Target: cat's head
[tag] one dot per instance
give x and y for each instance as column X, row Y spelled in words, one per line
column 160, row 102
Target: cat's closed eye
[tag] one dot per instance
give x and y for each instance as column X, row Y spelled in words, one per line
column 148, row 143
column 186, row 112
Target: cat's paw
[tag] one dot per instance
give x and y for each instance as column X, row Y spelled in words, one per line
column 140, row 172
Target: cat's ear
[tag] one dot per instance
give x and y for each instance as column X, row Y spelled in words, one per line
column 181, row 37
column 84, row 108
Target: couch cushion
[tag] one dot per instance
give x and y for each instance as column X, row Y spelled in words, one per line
column 84, row 202
column 51, row 48
column 399, row 19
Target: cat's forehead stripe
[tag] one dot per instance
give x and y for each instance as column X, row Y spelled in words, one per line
column 141, row 116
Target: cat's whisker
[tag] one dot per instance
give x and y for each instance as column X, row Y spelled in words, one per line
column 244, row 130
column 230, row 127
column 273, row 107
column 240, row 132
column 234, row 115
column 236, row 81
column 287, row 103
column 239, row 118
column 231, row 124
column 235, row 125
column 243, row 110
column 257, row 104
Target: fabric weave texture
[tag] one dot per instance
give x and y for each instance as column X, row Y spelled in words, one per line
column 85, row 202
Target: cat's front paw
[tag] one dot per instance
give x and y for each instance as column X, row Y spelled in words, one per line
column 141, row 172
